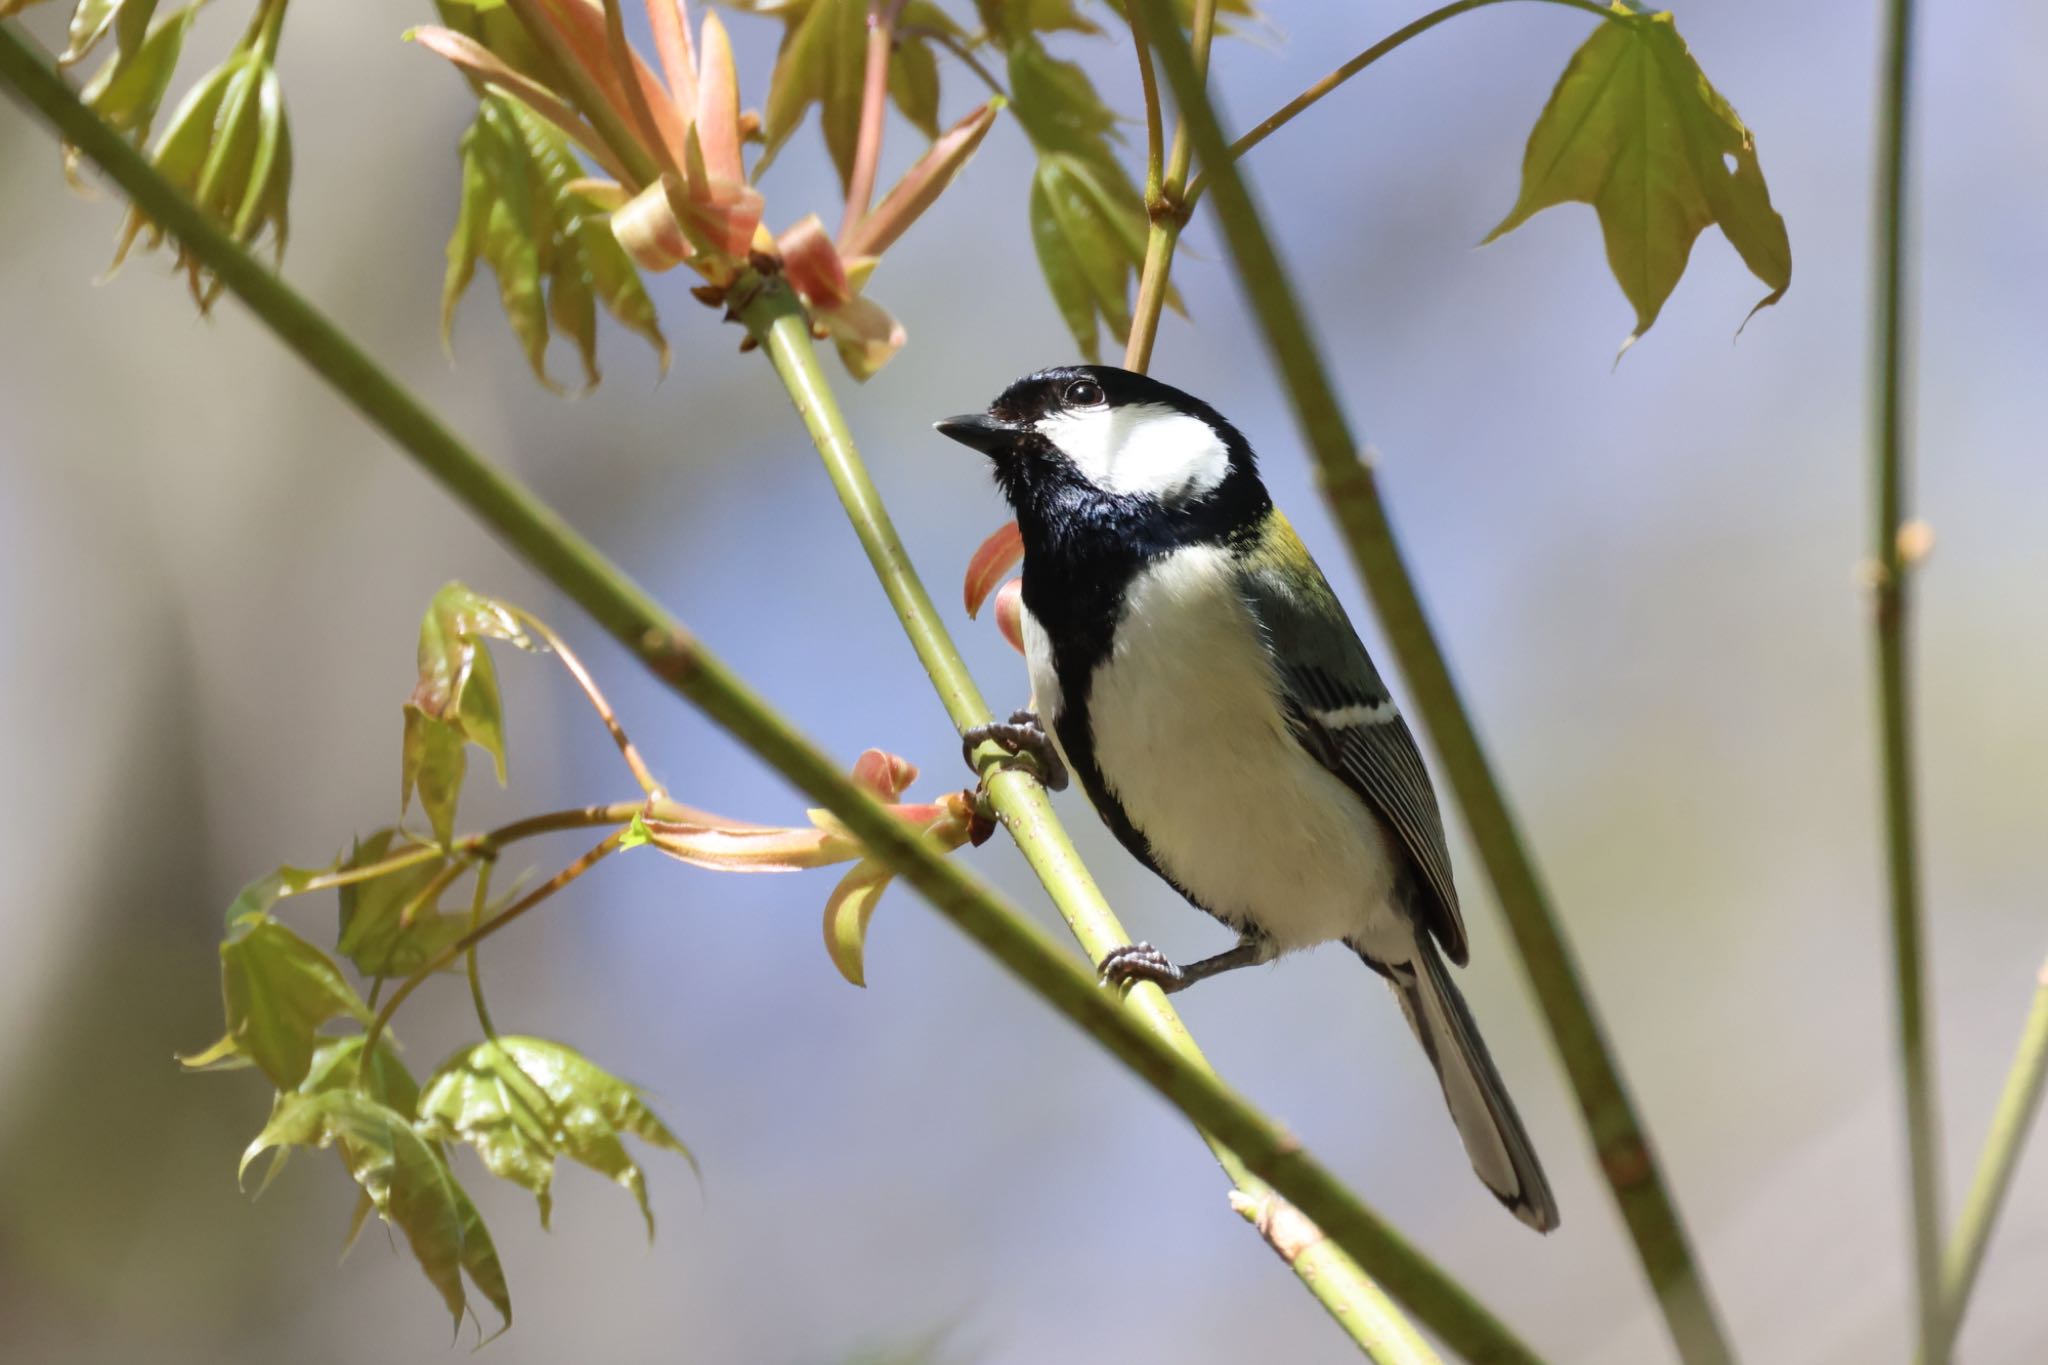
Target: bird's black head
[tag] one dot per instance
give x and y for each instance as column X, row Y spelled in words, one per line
column 1089, row 451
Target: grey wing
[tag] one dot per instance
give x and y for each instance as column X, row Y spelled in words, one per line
column 1341, row 712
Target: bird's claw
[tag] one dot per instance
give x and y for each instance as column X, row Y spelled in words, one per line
column 1136, row 962
column 1021, row 737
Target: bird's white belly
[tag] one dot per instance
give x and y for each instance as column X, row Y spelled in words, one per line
column 1190, row 737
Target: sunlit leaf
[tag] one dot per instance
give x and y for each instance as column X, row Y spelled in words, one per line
column 130, row 85
column 278, row 990
column 388, row 927
column 455, row 702
column 92, row 20
column 823, row 61
column 1090, row 243
column 255, row 899
column 1057, row 104
column 847, row 912
column 1635, row 129
column 338, row 1065
column 523, row 1102
column 914, row 86
column 550, row 247
column 407, row 1181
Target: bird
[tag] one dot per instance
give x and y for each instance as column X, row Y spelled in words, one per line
column 1192, row 667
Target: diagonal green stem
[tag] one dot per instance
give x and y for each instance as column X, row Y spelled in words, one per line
column 774, row 319
column 1890, row 602
column 2017, row 1105
column 1618, row 1136
column 662, row 644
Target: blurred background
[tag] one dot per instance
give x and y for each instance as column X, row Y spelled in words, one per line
column 211, row 574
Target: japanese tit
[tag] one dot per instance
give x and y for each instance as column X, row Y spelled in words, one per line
column 1192, row 667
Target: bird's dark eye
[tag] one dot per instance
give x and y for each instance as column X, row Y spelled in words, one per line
column 1083, row 393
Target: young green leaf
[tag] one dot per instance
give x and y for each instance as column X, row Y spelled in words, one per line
column 1090, row 245
column 823, row 61
column 407, row 1181
column 523, row 213
column 278, row 990
column 1058, row 106
column 522, row 1102
column 129, row 87
column 455, row 702
column 93, row 19
column 1635, row 129
column 338, row 1065
column 393, row 925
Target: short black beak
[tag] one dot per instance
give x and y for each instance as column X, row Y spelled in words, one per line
column 979, row 431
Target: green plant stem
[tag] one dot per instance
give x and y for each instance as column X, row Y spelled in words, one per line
column 479, row 845
column 1889, row 605
column 774, row 319
column 1286, row 113
column 661, row 643
column 2017, row 1105
column 1623, row 1147
column 476, row 978
column 1164, row 206
column 1155, row 117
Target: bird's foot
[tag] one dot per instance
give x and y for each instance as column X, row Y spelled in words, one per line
column 1021, row 737
column 1135, row 962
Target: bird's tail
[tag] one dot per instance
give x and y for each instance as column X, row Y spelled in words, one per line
column 1494, row 1137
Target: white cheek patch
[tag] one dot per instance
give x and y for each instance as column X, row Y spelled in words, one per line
column 1143, row 448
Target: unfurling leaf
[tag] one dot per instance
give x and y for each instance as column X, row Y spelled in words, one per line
column 1091, row 242
column 130, row 85
column 551, row 248
column 455, row 702
column 1000, row 553
column 278, row 990
column 523, row 1102
column 823, row 61
column 862, row 332
column 847, row 912
column 883, row 773
column 391, row 925
column 407, row 1181
column 921, row 185
column 228, row 148
column 1635, row 129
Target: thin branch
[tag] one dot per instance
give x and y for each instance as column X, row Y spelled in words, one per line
column 477, row 845
column 960, row 52
column 467, row 943
column 1619, row 1139
column 1890, row 602
column 2017, row 1105
column 641, row 774
column 1133, row 1033
column 774, row 320
column 1164, row 208
column 1287, row 112
column 1155, row 118
column 476, row 977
